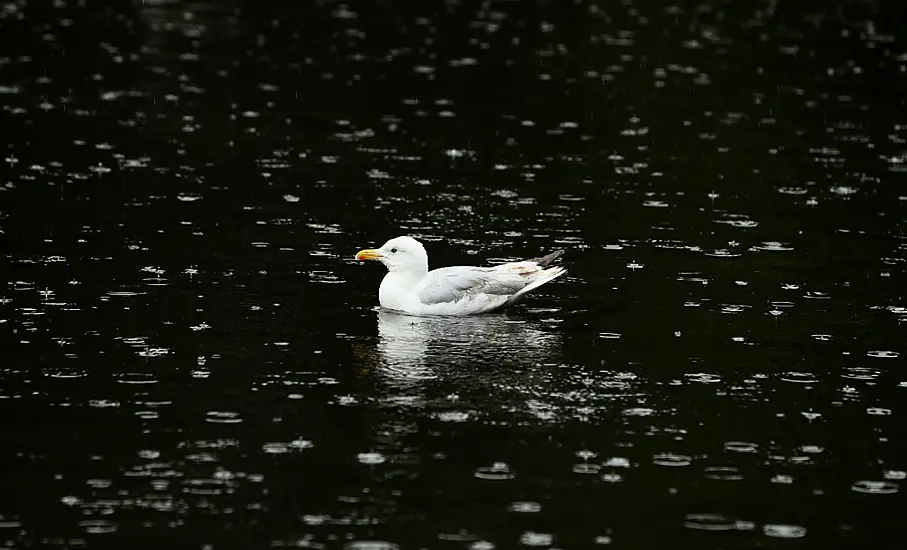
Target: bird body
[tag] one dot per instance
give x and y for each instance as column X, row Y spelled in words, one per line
column 410, row 287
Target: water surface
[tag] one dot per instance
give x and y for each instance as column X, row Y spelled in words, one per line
column 192, row 357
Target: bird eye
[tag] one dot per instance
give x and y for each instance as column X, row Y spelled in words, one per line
column 393, row 250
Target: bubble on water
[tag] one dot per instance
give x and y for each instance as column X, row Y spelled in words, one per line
column 639, row 411
column 876, row 487
column 782, row 531
column 782, row 479
column 878, row 411
column 882, row 354
column 895, row 474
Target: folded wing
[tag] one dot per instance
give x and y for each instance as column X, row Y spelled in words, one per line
column 485, row 288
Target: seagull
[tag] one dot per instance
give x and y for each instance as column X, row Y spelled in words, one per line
column 409, row 287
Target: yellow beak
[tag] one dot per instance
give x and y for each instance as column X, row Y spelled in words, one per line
column 368, row 254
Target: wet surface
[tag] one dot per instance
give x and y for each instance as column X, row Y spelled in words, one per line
column 191, row 357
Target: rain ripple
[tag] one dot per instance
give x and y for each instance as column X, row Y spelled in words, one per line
column 876, row 487
column 670, row 459
column 716, row 522
column 499, row 471
column 781, row 531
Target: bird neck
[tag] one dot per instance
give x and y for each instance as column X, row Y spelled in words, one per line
column 414, row 271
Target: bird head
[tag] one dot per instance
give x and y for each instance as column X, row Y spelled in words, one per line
column 403, row 254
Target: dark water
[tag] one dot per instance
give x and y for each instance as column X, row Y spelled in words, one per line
column 192, row 359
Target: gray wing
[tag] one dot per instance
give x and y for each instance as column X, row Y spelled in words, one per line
column 452, row 284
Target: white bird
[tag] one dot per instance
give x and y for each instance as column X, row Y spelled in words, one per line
column 409, row 286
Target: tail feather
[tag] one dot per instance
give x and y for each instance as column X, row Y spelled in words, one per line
column 544, row 277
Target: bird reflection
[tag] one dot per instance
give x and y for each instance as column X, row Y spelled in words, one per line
column 413, row 350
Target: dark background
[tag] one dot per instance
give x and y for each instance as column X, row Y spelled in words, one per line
column 190, row 357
